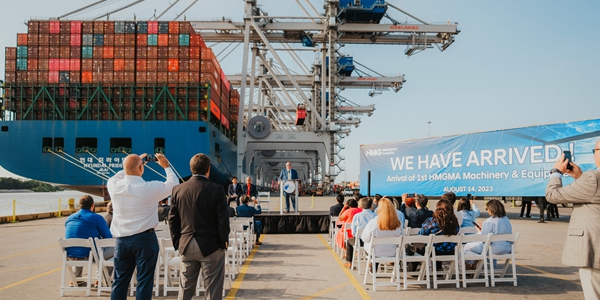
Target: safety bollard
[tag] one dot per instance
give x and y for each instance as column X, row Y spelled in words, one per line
column 59, row 207
column 14, row 220
column 513, row 204
column 312, row 203
column 71, row 202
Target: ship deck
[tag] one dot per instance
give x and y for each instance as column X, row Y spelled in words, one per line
column 300, row 266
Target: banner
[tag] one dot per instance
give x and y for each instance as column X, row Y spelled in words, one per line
column 512, row 162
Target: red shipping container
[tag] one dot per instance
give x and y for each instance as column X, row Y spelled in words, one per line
column 141, row 65
column 63, row 64
column 44, row 26
column 141, row 52
column 163, row 52
column 184, row 52
column 141, row 77
column 109, row 27
column 75, row 39
column 65, row 39
column 152, row 27
column 87, row 27
column 53, row 64
column 129, row 65
column 151, row 77
column 54, row 52
column 65, row 52
column 194, row 40
column 87, row 64
column 21, row 39
column 99, row 27
column 184, row 65
column 32, row 64
column 10, row 77
column 33, row 26
column 119, row 52
column 129, row 52
column 214, row 108
column 129, row 77
column 97, row 65
column 53, row 77
column 43, row 64
column 173, row 78
column 54, row 26
column 142, row 40
column 109, row 39
column 32, row 39
column 194, row 77
column 42, row 77
column 98, row 52
column 109, row 52
column 11, row 52
column 75, row 64
column 130, row 40
column 151, row 65
column 86, row 76
column 11, row 65
column 119, row 64
column 65, row 26
column 118, row 77
column 75, row 77
column 54, row 40
column 108, row 77
column 44, row 39
column 194, row 52
column 162, row 65
column 185, row 27
column 108, row 65
column 32, row 52
column 162, row 77
column 76, row 27
column 173, row 40
column 173, row 27
column 184, row 78
column 152, row 52
column 32, row 77
column 225, row 82
column 163, row 40
column 195, row 65
column 119, row 39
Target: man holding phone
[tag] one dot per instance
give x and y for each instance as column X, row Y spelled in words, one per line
column 582, row 247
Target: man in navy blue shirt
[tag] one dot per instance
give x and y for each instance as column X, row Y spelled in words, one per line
column 247, row 211
column 86, row 224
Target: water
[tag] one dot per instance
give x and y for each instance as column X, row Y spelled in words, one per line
column 32, row 203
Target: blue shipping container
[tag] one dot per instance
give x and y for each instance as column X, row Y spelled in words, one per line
column 153, row 40
column 21, row 64
column 21, row 51
column 119, row 27
column 184, row 39
column 98, row 40
column 87, row 52
column 142, row 27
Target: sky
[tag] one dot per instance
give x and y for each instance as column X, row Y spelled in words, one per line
column 514, row 64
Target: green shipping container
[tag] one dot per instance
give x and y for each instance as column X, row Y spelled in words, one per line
column 21, row 51
column 153, row 40
column 184, row 39
column 21, row 64
column 87, row 52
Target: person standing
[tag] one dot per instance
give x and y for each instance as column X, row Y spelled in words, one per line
column 85, row 224
column 250, row 189
column 246, row 211
column 582, row 247
column 199, row 226
column 525, row 204
column 134, row 218
column 234, row 191
column 289, row 174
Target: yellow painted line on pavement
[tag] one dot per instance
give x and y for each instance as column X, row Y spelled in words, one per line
column 238, row 281
column 329, row 290
column 30, row 267
column 349, row 274
column 28, row 252
column 548, row 274
column 29, row 279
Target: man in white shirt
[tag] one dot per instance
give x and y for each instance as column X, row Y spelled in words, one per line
column 135, row 215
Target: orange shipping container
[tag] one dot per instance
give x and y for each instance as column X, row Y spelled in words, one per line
column 151, row 65
column 98, row 52
column 152, row 52
column 129, row 65
column 173, row 27
column 32, row 64
column 119, row 52
column 21, row 39
column 173, row 65
column 130, row 40
column 75, row 64
column 109, row 27
column 109, row 39
column 129, row 52
column 194, row 52
column 142, row 40
column 119, row 64
column 141, row 65
column 86, row 77
column 109, row 52
column 163, row 40
column 119, row 39
column 32, row 39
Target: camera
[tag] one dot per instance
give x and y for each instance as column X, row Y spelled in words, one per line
column 410, row 195
column 150, row 157
column 568, row 157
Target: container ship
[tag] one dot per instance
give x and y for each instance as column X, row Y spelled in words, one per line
column 79, row 96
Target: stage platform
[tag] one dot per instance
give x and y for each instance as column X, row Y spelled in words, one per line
column 306, row 222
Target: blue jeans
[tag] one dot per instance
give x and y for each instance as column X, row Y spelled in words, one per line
column 141, row 251
column 257, row 228
column 287, row 201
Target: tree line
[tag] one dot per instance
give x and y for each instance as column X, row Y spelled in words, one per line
column 7, row 183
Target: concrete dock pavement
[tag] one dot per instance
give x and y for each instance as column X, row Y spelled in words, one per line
column 301, row 266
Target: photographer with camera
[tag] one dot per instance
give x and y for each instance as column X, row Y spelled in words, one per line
column 135, row 215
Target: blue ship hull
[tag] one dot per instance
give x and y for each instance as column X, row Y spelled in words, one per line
column 32, row 149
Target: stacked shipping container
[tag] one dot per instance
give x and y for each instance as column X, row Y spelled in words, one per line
column 120, row 53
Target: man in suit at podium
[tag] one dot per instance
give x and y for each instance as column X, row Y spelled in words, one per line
column 289, row 174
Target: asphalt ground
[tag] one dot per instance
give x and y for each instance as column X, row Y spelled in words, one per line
column 302, row 266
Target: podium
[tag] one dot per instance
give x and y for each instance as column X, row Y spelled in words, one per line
column 288, row 186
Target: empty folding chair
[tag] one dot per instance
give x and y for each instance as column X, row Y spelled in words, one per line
column 452, row 258
column 509, row 259
column 481, row 258
column 105, row 277
column 411, row 231
column 374, row 259
column 171, row 263
column 358, row 251
column 423, row 272
column 67, row 266
column 265, row 197
column 467, row 230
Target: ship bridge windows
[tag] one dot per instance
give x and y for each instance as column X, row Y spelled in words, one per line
column 4, row 128
column 120, row 145
column 82, row 145
column 52, row 144
column 159, row 145
column 202, row 129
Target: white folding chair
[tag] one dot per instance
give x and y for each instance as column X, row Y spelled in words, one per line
column 333, row 229
column 234, row 258
column 512, row 238
column 67, row 266
column 452, row 258
column 374, row 259
column 480, row 258
column 267, row 196
column 358, row 250
column 423, row 272
column 467, row 230
column 105, row 278
column 347, row 231
column 171, row 264
column 411, row 231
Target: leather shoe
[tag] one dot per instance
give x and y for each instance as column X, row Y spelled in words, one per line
column 258, row 243
column 348, row 265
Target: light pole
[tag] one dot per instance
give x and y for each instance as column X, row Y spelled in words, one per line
column 429, row 125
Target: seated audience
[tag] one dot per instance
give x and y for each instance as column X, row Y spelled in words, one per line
column 163, row 209
column 497, row 223
column 346, row 216
column 468, row 212
column 359, row 222
column 385, row 224
column 443, row 222
column 408, row 205
column 335, row 210
column 451, row 196
column 247, row 211
column 422, row 213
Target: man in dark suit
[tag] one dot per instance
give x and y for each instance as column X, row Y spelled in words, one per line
column 289, row 174
column 335, row 210
column 199, row 226
column 247, row 211
column 163, row 210
column 250, row 189
column 234, row 191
